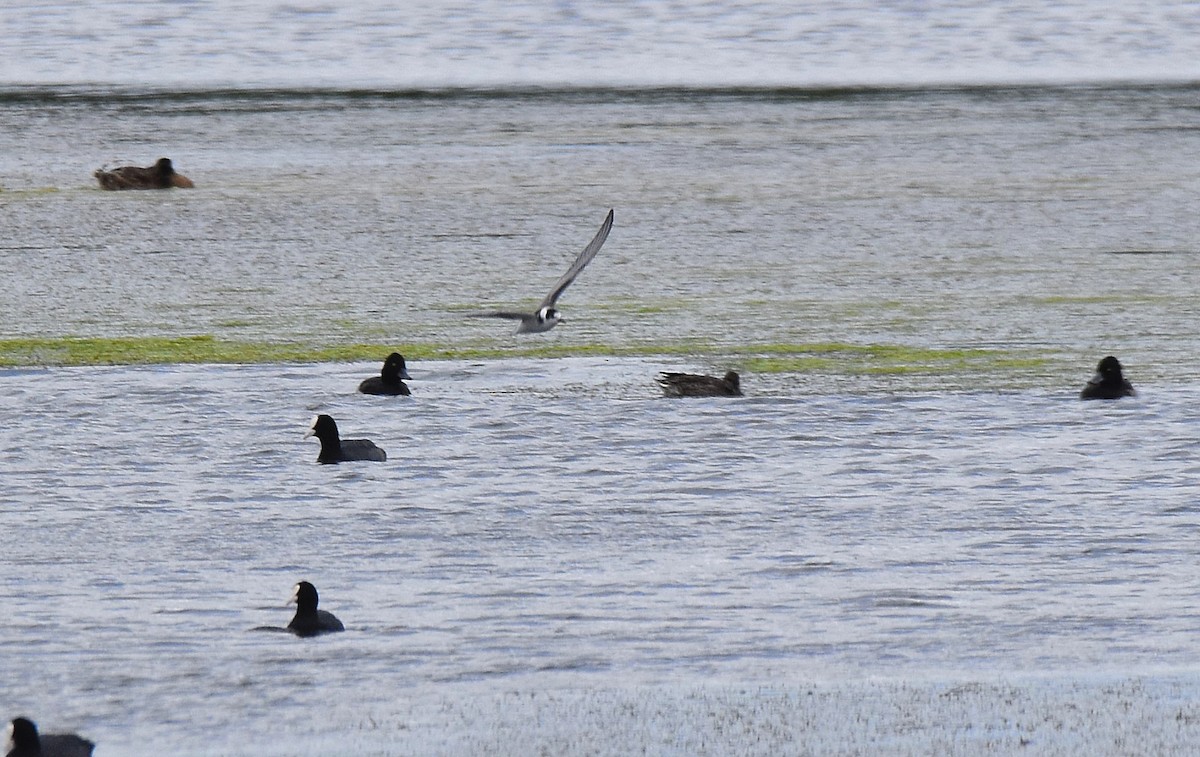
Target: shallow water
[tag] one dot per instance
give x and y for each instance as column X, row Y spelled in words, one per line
column 649, row 43
column 553, row 525
column 910, row 537
column 1051, row 225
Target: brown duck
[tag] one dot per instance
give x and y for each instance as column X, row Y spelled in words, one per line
column 161, row 175
column 692, row 385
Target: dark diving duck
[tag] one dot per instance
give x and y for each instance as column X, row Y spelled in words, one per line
column 1108, row 383
column 388, row 382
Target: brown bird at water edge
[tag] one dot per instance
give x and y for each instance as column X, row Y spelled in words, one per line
column 161, row 175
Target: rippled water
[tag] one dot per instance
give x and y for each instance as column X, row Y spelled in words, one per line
column 552, row 524
column 1052, row 224
column 910, row 536
column 648, row 43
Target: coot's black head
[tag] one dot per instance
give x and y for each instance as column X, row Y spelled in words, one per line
column 734, row 380
column 324, row 428
column 394, row 368
column 306, row 598
column 25, row 737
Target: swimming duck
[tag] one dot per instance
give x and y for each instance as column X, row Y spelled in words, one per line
column 693, row 385
column 388, row 381
column 25, row 742
column 1108, row 383
column 334, row 449
column 309, row 621
column 546, row 316
column 161, row 175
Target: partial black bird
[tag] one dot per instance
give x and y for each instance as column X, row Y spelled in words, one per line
column 24, row 741
column 546, row 316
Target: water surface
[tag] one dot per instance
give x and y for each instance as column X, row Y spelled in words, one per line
column 553, row 525
column 1050, row 224
column 910, row 536
column 489, row 43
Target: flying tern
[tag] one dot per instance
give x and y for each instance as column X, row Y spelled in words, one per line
column 546, row 316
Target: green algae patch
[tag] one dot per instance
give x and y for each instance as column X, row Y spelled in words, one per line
column 159, row 350
column 887, row 359
column 13, row 194
column 1116, row 298
column 641, row 307
column 62, row 351
column 820, row 357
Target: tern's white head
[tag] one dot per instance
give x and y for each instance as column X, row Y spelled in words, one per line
column 548, row 316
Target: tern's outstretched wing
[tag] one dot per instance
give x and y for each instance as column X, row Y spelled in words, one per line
column 584, row 258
